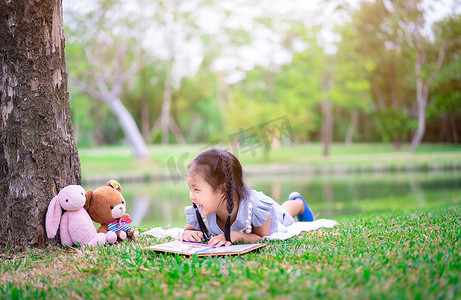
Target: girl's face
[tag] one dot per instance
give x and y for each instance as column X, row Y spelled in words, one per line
column 202, row 194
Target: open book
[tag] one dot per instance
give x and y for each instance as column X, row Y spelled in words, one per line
column 189, row 248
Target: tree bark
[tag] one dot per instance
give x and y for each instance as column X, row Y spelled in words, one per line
column 378, row 93
column 103, row 86
column 422, row 87
column 327, row 125
column 454, row 128
column 145, row 118
column 176, row 131
column 129, row 126
column 421, row 101
column 38, row 155
column 327, row 111
column 166, row 107
column 352, row 127
column 393, row 84
column 125, row 119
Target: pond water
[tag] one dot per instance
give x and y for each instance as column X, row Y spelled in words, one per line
column 333, row 196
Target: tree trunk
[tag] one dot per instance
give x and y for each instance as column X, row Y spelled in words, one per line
column 129, row 127
column 422, row 86
column 145, row 118
column 454, row 128
column 176, row 131
column 352, row 127
column 327, row 125
column 378, row 93
column 165, row 116
column 393, row 84
column 421, row 98
column 327, row 111
column 38, row 155
column 421, row 95
column 125, row 119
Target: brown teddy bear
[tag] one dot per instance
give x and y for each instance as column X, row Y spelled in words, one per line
column 106, row 206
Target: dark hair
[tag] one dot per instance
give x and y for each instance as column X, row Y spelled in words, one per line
column 218, row 166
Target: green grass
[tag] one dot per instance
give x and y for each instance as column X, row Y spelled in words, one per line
column 397, row 254
column 115, row 161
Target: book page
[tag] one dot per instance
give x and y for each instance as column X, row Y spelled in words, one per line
column 180, row 247
column 190, row 248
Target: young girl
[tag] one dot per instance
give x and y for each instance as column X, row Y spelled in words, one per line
column 225, row 210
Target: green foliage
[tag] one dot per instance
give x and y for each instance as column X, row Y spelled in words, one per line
column 295, row 95
column 393, row 125
column 352, row 89
column 199, row 112
column 379, row 68
column 94, row 124
column 373, row 74
column 299, row 91
column 447, row 89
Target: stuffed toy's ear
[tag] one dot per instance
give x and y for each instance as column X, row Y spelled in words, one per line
column 53, row 217
column 114, row 184
column 89, row 197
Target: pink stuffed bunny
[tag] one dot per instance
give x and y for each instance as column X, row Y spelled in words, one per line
column 76, row 224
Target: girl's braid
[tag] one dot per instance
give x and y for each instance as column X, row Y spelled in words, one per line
column 203, row 228
column 229, row 191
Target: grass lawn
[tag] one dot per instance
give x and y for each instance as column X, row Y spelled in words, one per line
column 115, row 161
column 397, row 254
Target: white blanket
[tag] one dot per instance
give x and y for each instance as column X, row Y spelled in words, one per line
column 292, row 230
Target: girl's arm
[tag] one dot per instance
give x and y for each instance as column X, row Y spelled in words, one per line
column 190, row 234
column 237, row 236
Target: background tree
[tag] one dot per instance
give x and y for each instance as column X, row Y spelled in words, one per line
column 176, row 22
column 222, row 66
column 380, row 47
column 444, row 111
column 110, row 57
column 409, row 23
column 352, row 90
column 267, row 89
column 426, row 66
column 38, row 155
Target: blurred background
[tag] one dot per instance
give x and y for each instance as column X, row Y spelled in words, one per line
column 355, row 103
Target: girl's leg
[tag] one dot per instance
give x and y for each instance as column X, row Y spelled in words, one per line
column 296, row 206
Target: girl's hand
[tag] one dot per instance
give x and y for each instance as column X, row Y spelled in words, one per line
column 192, row 236
column 218, row 241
